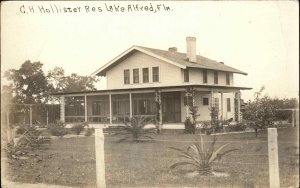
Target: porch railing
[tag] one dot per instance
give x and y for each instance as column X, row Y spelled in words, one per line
column 73, row 119
column 98, row 119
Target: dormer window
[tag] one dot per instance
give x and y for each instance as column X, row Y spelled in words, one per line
column 186, row 75
column 216, row 79
column 204, row 76
column 136, row 76
column 126, row 76
column 155, row 74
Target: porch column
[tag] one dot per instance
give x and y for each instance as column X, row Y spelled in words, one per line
column 222, row 101
column 159, row 107
column 110, row 110
column 85, row 109
column 130, row 105
column 238, row 96
column 62, row 108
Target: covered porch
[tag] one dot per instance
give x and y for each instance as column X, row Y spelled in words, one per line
column 161, row 105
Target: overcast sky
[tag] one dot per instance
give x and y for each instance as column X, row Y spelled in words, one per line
column 260, row 38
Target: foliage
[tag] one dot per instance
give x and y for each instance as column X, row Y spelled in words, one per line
column 20, row 130
column 89, row 131
column 189, row 126
column 135, row 129
column 261, row 112
column 62, row 83
column 78, row 128
column 214, row 114
column 194, row 113
column 190, row 122
column 236, row 127
column 201, row 156
column 31, row 139
column 28, row 83
column 57, row 129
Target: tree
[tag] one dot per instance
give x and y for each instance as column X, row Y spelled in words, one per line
column 29, row 84
column 261, row 112
column 72, row 83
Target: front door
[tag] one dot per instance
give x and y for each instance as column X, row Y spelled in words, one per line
column 171, row 108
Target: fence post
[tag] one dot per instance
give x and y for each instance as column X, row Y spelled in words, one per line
column 100, row 164
column 273, row 158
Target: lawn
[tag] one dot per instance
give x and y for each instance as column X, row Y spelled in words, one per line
column 71, row 161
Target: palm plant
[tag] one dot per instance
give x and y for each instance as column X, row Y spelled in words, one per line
column 201, row 156
column 135, row 129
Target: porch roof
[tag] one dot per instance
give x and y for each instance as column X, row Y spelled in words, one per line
column 161, row 88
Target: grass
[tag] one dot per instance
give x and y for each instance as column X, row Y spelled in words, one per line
column 71, row 162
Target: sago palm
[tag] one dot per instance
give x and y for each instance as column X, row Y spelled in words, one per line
column 201, row 156
column 135, row 129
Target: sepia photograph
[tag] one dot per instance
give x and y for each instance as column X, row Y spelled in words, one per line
column 149, row 94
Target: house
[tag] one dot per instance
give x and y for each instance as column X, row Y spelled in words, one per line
column 146, row 81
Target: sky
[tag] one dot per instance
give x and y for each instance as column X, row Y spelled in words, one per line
column 257, row 37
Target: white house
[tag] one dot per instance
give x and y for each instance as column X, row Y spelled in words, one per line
column 146, row 81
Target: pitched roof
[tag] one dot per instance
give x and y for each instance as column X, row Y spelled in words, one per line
column 175, row 58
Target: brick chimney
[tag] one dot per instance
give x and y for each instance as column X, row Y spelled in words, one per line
column 191, row 49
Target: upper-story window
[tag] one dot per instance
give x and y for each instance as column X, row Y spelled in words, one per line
column 126, row 76
column 216, row 77
column 186, row 75
column 204, row 76
column 155, row 74
column 135, row 76
column 145, row 75
column 227, row 78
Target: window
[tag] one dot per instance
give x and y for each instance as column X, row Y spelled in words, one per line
column 145, row 75
column 186, row 75
column 155, row 74
column 228, row 105
column 204, row 76
column 227, row 78
column 205, row 101
column 135, row 76
column 216, row 79
column 126, row 76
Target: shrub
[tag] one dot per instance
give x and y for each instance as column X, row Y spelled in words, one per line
column 135, row 129
column 21, row 130
column 57, row 129
column 201, row 156
column 237, row 127
column 31, row 139
column 78, row 128
column 189, row 127
column 89, row 132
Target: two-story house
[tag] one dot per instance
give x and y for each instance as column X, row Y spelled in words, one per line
column 146, row 81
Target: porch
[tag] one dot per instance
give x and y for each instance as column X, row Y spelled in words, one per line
column 166, row 106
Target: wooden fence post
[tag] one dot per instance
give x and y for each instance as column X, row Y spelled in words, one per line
column 100, row 164
column 273, row 158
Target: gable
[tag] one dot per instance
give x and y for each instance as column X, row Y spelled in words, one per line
column 127, row 54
